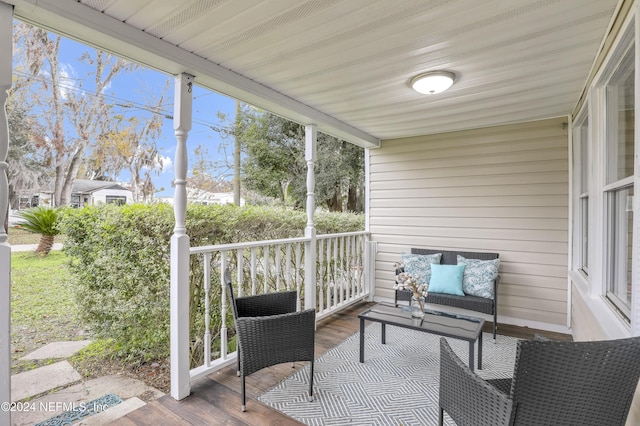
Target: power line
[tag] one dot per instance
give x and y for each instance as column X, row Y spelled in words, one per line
column 124, row 103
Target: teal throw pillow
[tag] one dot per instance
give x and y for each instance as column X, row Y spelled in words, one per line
column 419, row 265
column 447, row 279
column 479, row 276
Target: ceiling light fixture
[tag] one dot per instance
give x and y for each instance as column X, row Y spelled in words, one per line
column 430, row 83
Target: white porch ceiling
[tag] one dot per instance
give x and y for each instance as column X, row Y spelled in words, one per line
column 346, row 64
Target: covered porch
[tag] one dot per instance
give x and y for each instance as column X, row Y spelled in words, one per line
column 215, row 398
column 515, row 158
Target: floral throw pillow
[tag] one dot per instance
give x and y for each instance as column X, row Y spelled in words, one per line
column 479, row 276
column 419, row 265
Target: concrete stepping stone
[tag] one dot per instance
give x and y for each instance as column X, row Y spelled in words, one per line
column 42, row 379
column 52, row 404
column 56, row 350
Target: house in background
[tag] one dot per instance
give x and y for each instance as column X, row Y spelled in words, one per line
column 532, row 153
column 91, row 192
column 204, row 198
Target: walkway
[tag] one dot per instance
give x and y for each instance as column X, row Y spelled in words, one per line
column 57, row 391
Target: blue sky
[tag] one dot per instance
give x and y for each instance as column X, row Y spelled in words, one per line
column 142, row 85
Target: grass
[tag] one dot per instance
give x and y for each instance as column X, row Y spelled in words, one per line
column 43, row 311
column 42, row 305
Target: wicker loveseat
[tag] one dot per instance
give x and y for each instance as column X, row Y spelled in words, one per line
column 473, row 303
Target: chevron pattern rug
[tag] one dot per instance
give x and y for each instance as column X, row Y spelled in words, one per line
column 396, row 385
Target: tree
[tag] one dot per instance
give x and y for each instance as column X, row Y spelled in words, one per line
column 275, row 164
column 131, row 145
column 202, row 176
column 73, row 114
column 26, row 169
column 237, row 153
column 274, row 154
column 43, row 221
column 340, row 174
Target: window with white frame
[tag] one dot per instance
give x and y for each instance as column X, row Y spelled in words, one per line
column 581, row 179
column 116, row 199
column 619, row 181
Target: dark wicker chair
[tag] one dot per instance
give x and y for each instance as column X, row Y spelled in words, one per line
column 270, row 331
column 554, row 383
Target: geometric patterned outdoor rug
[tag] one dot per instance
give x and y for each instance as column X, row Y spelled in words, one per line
column 396, row 385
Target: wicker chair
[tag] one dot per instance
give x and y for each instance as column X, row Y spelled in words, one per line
column 270, row 332
column 554, row 383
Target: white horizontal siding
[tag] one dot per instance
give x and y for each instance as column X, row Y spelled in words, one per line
column 501, row 189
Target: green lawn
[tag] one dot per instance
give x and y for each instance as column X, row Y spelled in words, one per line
column 42, row 305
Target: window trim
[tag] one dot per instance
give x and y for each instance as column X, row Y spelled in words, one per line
column 593, row 288
column 615, row 246
column 579, row 193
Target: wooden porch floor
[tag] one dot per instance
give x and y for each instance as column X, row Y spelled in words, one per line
column 215, row 399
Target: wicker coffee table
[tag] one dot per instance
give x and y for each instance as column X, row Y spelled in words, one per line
column 435, row 322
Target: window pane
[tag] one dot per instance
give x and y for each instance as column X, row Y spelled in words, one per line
column 584, row 156
column 620, row 242
column 581, row 182
column 584, row 234
column 620, row 111
column 116, row 199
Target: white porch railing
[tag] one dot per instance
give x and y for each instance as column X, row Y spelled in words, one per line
column 342, row 278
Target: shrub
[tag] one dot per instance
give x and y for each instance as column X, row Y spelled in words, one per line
column 121, row 254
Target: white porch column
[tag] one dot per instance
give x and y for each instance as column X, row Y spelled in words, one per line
column 180, row 380
column 635, row 246
column 311, row 138
column 6, row 28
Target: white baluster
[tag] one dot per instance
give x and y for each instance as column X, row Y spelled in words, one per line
column 253, row 270
column 287, row 266
column 278, row 266
column 320, row 275
column 240, row 271
column 224, row 344
column 341, row 266
column 265, row 252
column 336, row 280
column 329, row 275
column 349, row 270
column 297, row 271
column 207, row 311
column 360, row 263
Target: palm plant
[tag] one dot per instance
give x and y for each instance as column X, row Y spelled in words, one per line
column 43, row 221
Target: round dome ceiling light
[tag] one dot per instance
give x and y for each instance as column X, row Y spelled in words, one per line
column 430, row 83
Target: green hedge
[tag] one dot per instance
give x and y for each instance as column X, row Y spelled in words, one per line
column 120, row 264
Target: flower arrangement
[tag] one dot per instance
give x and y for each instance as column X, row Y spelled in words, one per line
column 406, row 281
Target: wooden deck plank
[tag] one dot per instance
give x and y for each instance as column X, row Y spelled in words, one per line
column 229, row 400
column 197, row 411
column 154, row 413
column 216, row 400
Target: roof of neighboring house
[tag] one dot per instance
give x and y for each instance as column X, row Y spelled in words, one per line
column 84, row 186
